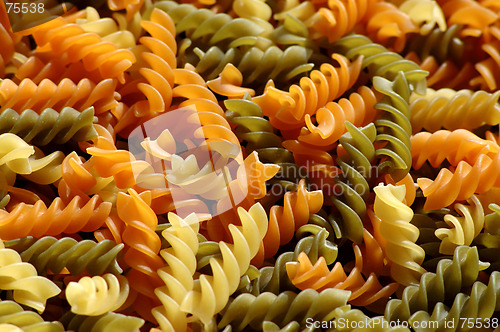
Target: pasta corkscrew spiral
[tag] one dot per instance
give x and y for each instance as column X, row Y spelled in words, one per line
column 13, row 314
column 481, row 304
column 249, row 310
column 451, row 276
column 463, row 228
column 450, row 109
column 381, row 62
column 46, row 94
column 49, row 126
column 97, row 295
column 38, row 220
column 352, row 184
column 20, row 277
column 462, row 183
column 453, row 146
column 394, row 126
column 71, row 43
column 288, row 110
column 48, row 253
column 142, row 247
column 212, row 292
column 401, row 250
column 304, row 275
column 178, row 275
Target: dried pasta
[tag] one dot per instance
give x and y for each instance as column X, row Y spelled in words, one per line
column 249, row 165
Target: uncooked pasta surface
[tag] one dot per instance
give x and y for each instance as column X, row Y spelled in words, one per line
column 249, row 165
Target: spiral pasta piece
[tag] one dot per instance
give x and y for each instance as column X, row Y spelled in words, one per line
column 28, row 288
column 97, row 295
column 426, row 14
column 313, row 242
column 249, row 310
column 257, row 66
column 394, row 126
column 62, row 38
column 213, row 291
column 450, row 109
column 159, row 77
column 285, row 220
column 46, row 94
column 474, row 16
column 463, row 229
column 39, row 220
column 381, row 62
column 481, row 304
column 386, row 22
column 179, row 272
column 462, row 183
column 395, row 227
column 205, row 27
column 108, row 322
column 352, row 184
column 439, row 43
column 12, row 314
column 358, row 108
column 304, row 275
column 50, row 125
column 143, row 246
column 446, row 74
column 453, row 146
column 49, row 253
column 258, row 133
column 287, row 110
column 451, row 276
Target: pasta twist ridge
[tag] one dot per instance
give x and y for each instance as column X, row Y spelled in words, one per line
column 28, row 288
column 259, row 135
column 48, row 253
column 97, row 295
column 257, row 66
column 253, row 311
column 178, row 274
column 313, row 242
column 381, row 62
column 285, row 220
column 395, row 227
column 386, row 22
column 439, row 43
column 142, row 246
column 122, row 165
column 206, row 28
column 482, row 303
column 47, row 94
column 160, row 60
column 39, row 220
column 352, row 184
column 304, row 275
column 13, row 314
column 450, row 278
column 394, row 126
column 462, row 183
column 71, row 43
column 49, row 126
column 288, row 110
column 340, row 17
column 212, row 292
column 453, row 146
column 452, row 109
column 108, row 322
column 358, row 108
column 464, row 228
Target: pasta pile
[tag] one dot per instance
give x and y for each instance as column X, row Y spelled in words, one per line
column 250, row 165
